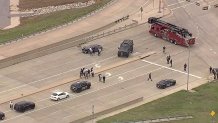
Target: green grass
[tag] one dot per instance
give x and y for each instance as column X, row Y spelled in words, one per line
column 199, row 104
column 32, row 25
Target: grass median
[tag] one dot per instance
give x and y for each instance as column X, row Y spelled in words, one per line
column 198, row 104
column 36, row 24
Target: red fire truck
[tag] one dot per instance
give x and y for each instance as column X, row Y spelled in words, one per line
column 170, row 32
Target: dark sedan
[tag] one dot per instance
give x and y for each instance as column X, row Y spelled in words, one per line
column 23, row 106
column 2, row 115
column 80, row 86
column 166, row 83
column 94, row 47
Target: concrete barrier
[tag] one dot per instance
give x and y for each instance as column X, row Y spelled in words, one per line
column 50, row 48
column 87, row 118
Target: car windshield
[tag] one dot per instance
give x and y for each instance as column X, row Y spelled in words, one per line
column 54, row 94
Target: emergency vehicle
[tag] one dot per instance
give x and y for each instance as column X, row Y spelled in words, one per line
column 170, row 32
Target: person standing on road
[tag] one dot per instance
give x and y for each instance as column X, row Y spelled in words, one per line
column 99, row 52
column 149, row 77
column 11, row 105
column 104, row 79
column 171, row 62
column 99, row 77
column 90, row 51
column 214, row 73
column 89, row 73
column 210, row 69
column 164, row 48
column 185, row 66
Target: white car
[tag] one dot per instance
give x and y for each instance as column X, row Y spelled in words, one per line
column 59, row 95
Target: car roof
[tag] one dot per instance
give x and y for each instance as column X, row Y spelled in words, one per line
column 165, row 80
column 58, row 92
column 91, row 45
column 23, row 102
column 78, row 83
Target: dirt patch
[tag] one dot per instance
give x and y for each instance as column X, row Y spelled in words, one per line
column 30, row 4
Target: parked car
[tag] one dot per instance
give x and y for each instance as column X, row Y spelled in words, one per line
column 126, row 47
column 166, row 83
column 2, row 115
column 23, row 106
column 58, row 95
column 95, row 48
column 80, row 86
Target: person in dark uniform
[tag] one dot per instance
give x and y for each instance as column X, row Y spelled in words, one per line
column 93, row 74
column 171, row 62
column 185, row 66
column 89, row 73
column 103, row 79
column 214, row 73
column 149, row 77
column 210, row 69
column 164, row 48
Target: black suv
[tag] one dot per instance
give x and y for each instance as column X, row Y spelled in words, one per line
column 166, row 83
column 2, row 115
column 94, row 47
column 24, row 106
column 80, row 86
column 126, row 47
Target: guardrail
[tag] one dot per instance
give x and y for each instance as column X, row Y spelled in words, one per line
column 90, row 117
column 75, row 41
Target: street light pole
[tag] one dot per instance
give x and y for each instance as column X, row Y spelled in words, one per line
column 188, row 65
column 93, row 113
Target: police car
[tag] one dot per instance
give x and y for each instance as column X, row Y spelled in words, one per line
column 165, row 83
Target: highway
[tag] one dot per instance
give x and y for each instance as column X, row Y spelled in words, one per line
column 123, row 83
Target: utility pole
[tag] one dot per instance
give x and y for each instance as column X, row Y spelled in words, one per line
column 93, row 113
column 188, row 64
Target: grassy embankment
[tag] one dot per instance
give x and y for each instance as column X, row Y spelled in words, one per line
column 32, row 25
column 198, row 104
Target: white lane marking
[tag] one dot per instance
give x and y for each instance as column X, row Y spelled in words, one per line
column 54, row 76
column 171, row 69
column 107, row 74
column 110, row 85
column 120, row 78
column 97, row 65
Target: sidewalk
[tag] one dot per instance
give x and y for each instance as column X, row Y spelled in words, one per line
column 119, row 9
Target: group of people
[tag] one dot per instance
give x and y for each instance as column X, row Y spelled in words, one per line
column 214, row 71
column 92, row 51
column 86, row 73
column 101, row 78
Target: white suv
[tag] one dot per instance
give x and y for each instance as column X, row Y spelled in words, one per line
column 59, row 95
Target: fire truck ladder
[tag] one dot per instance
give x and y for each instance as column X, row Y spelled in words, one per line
column 182, row 31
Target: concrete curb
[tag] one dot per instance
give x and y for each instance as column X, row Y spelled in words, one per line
column 68, row 80
column 87, row 118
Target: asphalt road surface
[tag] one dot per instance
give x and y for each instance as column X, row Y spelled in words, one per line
column 123, row 83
